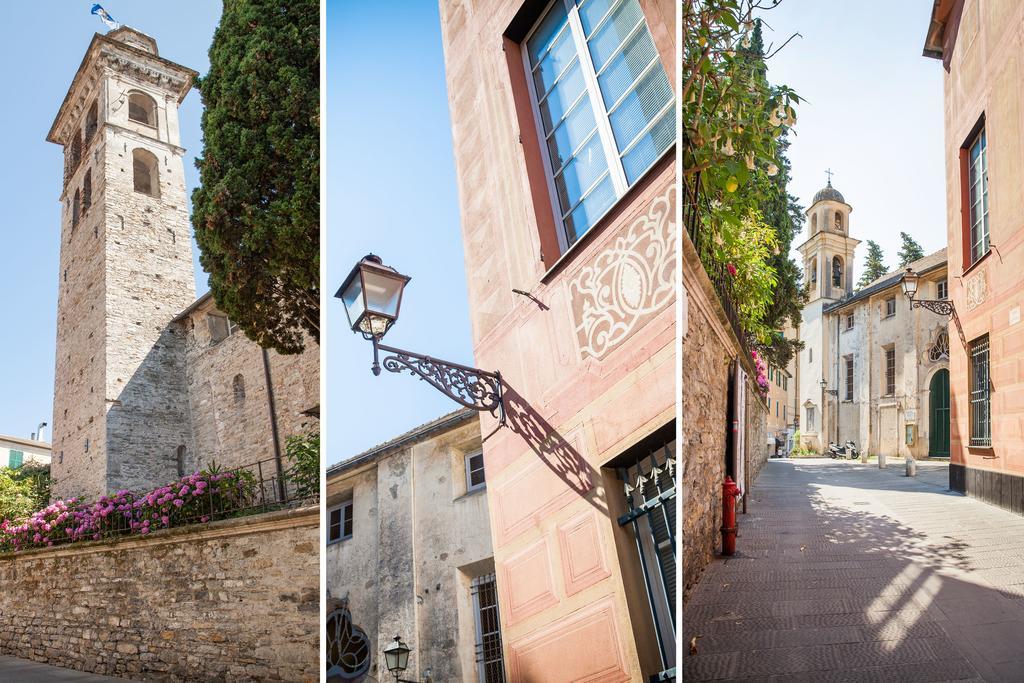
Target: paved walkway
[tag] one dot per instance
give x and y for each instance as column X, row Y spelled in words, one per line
column 845, row 572
column 25, row 671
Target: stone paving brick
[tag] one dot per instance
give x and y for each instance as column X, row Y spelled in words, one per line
column 850, row 573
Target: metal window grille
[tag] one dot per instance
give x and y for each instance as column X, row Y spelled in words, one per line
column 890, row 372
column 981, row 417
column 489, row 660
column 348, row 648
column 978, row 179
column 849, row 378
column 602, row 102
column 650, row 491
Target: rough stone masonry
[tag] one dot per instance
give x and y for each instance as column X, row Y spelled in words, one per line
column 231, row 601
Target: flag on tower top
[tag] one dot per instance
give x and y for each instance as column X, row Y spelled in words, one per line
column 105, row 17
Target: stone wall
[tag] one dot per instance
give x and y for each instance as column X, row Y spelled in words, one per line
column 227, row 392
column 709, row 347
column 236, row 600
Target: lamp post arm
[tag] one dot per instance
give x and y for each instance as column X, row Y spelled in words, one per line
column 468, row 386
column 941, row 307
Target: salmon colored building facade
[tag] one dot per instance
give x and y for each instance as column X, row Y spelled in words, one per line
column 981, row 45
column 563, row 119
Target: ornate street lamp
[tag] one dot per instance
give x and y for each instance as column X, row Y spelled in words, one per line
column 824, row 387
column 909, row 284
column 372, row 294
column 396, row 659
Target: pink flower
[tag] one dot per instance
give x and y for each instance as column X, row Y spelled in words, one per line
column 731, row 268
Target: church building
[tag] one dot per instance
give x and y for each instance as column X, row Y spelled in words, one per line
column 873, row 370
column 150, row 382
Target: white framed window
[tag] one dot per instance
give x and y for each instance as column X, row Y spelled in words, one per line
column 977, row 173
column 475, row 479
column 849, row 321
column 339, row 522
column 489, row 660
column 890, row 307
column 603, row 105
column 941, row 289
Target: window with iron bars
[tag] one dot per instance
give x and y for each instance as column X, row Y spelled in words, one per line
column 981, row 416
column 649, row 487
column 489, row 661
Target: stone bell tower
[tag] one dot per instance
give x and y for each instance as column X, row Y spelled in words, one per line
column 828, row 255
column 120, row 404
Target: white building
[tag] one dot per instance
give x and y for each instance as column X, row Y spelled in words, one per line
column 873, row 370
column 16, row 451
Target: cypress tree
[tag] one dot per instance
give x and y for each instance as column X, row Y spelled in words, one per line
column 257, row 211
column 874, row 268
column 910, row 250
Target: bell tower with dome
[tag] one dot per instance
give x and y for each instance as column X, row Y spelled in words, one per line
column 828, row 257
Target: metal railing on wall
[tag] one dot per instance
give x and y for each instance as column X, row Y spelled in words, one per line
column 694, row 207
column 202, row 497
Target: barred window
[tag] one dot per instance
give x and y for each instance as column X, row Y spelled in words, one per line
column 489, row 660
column 981, row 416
column 890, row 371
column 849, row 378
column 603, row 102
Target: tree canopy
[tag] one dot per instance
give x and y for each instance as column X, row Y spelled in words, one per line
column 256, row 212
column 910, row 250
column 874, row 267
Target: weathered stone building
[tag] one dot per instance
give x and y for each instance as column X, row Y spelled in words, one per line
column 129, row 404
column 409, row 553
column 567, row 190
column 980, row 45
column 873, row 370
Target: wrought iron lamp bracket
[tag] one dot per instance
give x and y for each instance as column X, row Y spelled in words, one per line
column 473, row 388
column 941, row 307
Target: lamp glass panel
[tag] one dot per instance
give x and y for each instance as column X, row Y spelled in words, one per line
column 403, row 659
column 352, row 297
column 383, row 292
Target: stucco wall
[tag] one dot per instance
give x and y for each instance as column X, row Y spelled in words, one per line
column 418, row 540
column 590, row 371
column 986, row 71
column 236, row 600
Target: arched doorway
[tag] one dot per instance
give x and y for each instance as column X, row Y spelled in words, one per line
column 938, row 415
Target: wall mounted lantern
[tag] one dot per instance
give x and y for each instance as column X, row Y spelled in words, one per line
column 910, row 283
column 396, row 659
column 372, row 295
column 824, row 387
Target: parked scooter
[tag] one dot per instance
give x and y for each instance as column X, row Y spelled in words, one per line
column 847, row 450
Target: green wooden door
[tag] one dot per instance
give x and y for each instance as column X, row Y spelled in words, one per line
column 938, row 426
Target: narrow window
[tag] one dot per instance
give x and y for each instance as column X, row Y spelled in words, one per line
column 340, row 523
column 145, row 170
column 849, row 378
column 814, row 223
column 981, row 416
column 849, row 321
column 475, row 472
column 810, row 418
column 16, row 459
column 814, row 273
column 810, row 355
column 489, row 661
column 977, row 178
column 890, row 307
column 76, row 209
column 603, row 101
column 839, row 222
column 141, row 108
column 179, row 458
column 238, row 389
column 87, row 191
column 90, row 123
column 837, row 271
column 890, row 371
column 76, row 151
column 941, row 289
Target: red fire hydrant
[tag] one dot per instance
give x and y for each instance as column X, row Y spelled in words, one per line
column 730, row 491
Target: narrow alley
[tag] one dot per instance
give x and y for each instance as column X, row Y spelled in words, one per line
column 847, row 572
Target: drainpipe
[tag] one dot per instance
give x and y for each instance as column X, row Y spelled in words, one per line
column 273, row 425
column 839, row 408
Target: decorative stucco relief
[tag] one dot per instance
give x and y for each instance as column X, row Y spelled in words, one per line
column 977, row 291
column 629, row 282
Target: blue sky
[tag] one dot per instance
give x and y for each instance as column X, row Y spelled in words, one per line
column 43, row 46
column 873, row 115
column 391, row 191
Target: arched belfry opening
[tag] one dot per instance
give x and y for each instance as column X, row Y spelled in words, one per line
column 141, row 108
column 146, row 172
